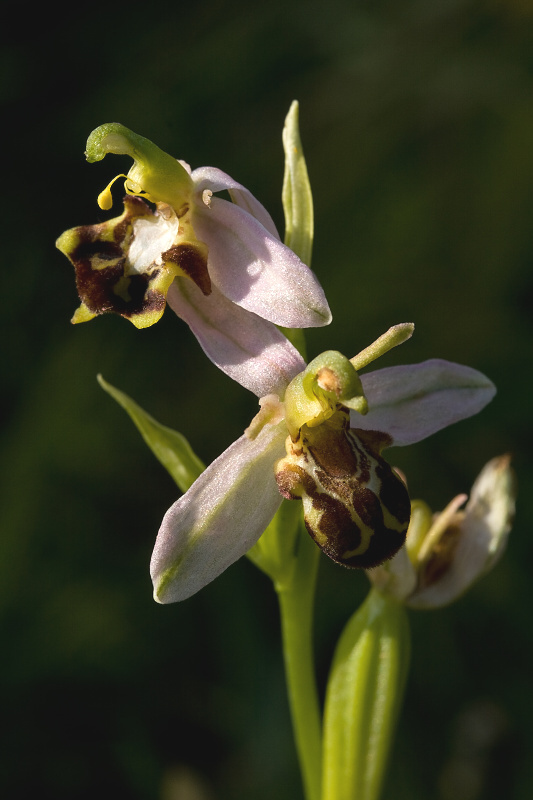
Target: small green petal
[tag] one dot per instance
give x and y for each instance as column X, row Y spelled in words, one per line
column 169, row 447
column 421, row 521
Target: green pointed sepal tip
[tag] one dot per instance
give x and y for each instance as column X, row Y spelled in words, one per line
column 155, row 175
column 363, row 699
column 296, row 193
column 170, row 447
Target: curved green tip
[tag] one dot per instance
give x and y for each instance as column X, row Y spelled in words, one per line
column 332, row 374
column 155, row 174
column 327, row 382
column 112, row 138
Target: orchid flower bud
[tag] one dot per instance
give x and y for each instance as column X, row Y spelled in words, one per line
column 446, row 553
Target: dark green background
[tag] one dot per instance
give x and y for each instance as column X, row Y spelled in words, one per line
column 417, row 123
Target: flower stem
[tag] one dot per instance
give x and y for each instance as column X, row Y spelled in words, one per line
column 296, row 596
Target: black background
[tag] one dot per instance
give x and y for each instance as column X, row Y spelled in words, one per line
column 417, row 124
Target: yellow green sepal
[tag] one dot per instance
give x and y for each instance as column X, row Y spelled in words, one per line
column 155, row 175
column 328, row 381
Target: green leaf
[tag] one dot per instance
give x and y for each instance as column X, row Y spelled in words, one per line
column 363, row 699
column 169, row 447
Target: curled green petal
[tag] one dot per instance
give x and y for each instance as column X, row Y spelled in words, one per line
column 155, row 175
column 169, row 447
column 363, row 699
column 419, row 525
column 314, row 395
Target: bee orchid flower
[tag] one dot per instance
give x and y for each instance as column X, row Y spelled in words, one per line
column 220, row 265
column 303, row 446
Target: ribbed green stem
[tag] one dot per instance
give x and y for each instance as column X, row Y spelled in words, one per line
column 296, row 598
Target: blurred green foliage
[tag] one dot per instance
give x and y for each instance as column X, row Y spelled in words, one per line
column 417, row 122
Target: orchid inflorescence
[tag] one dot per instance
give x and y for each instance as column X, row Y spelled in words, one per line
column 321, row 428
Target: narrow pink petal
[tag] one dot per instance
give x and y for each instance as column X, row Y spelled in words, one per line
column 221, row 516
column 414, row 401
column 255, row 270
column 216, row 181
column 249, row 349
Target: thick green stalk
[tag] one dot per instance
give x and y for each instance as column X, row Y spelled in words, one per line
column 296, row 599
column 286, row 552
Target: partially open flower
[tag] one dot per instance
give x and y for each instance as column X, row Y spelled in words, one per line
column 220, row 265
column 446, row 552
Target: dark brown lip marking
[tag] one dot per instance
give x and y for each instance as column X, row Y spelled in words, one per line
column 353, row 500
column 103, row 279
column 193, row 262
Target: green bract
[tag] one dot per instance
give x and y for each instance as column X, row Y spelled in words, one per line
column 363, row 699
column 296, row 193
